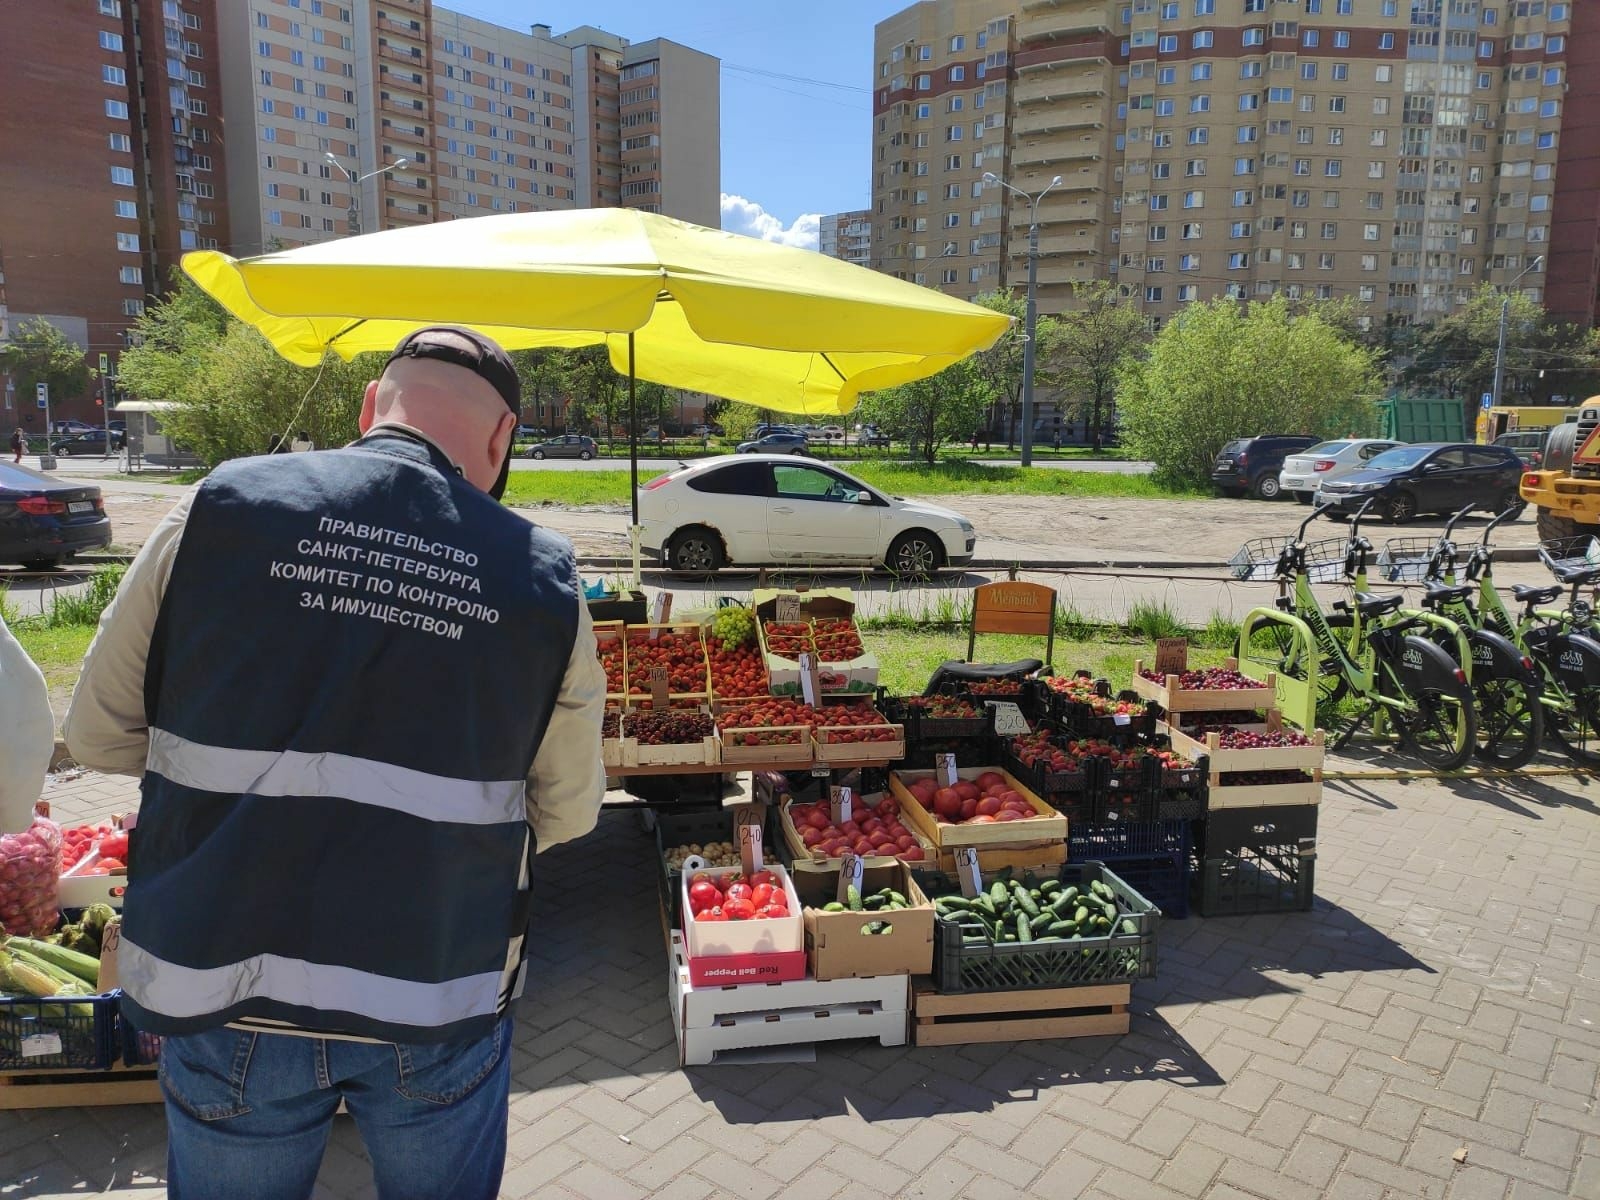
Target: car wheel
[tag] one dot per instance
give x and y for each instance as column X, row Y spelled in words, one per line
column 916, row 554
column 1303, row 497
column 585, row 455
column 535, row 453
column 41, row 564
column 1401, row 507
column 695, row 551
column 1268, row 488
column 63, row 451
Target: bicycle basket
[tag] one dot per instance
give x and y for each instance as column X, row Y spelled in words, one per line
column 1258, row 559
column 1405, row 559
column 1573, row 553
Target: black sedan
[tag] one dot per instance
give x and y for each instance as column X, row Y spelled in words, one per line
column 93, row 442
column 45, row 520
column 776, row 443
column 1437, row 477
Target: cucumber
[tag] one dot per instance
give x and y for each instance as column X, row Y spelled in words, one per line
column 1024, row 930
column 1102, row 890
column 1050, row 887
column 1027, row 903
column 1129, row 925
column 998, row 894
column 852, row 897
column 953, row 903
column 896, row 898
column 1080, row 914
column 874, row 902
column 1060, row 928
column 833, row 906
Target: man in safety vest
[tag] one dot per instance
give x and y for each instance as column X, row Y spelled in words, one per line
column 360, row 694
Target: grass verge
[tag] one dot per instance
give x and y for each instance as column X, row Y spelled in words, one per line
column 898, row 478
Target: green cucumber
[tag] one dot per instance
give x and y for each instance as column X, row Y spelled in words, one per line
column 999, row 894
column 833, row 906
column 852, row 897
column 1027, row 903
column 1050, row 886
column 1024, row 930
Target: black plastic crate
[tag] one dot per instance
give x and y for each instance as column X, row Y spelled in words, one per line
column 1076, row 795
column 138, row 1049
column 687, row 828
column 1180, row 792
column 1228, row 829
column 1108, row 841
column 1116, row 957
column 76, row 1032
column 922, row 754
column 1270, row 878
column 1162, row 879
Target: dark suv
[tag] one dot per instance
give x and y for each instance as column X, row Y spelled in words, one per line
column 1527, row 444
column 1434, row 477
column 1252, row 464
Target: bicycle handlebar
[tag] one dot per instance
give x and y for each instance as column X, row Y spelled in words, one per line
column 1451, row 523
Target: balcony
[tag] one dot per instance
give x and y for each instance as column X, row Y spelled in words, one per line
column 1060, row 118
column 1067, row 148
column 406, row 133
column 1088, row 19
column 1051, row 86
column 393, row 211
column 403, row 81
column 1059, row 274
column 417, row 112
column 399, row 54
column 414, row 31
column 417, row 6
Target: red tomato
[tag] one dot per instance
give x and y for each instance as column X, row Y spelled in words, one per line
column 702, row 877
column 947, row 802
column 711, row 914
column 1008, row 814
column 761, row 894
column 704, row 895
column 739, row 910
column 768, row 912
column 818, row 819
column 114, row 845
column 739, row 891
column 912, row 853
column 766, row 877
column 988, row 806
column 968, row 806
column 810, row 836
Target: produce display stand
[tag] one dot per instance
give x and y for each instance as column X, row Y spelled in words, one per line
column 73, row 1088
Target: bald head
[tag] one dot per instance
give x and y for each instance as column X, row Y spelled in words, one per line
column 456, row 408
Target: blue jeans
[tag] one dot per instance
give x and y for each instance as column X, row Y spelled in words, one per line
column 248, row 1114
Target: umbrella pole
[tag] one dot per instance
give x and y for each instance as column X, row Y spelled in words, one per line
column 633, row 460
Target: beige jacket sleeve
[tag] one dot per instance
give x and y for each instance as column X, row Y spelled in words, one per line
column 105, row 728
column 568, row 781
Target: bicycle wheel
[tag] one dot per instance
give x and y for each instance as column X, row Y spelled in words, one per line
column 1575, row 726
column 1436, row 718
column 1510, row 721
column 1332, row 686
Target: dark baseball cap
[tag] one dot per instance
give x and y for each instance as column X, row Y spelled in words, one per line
column 465, row 348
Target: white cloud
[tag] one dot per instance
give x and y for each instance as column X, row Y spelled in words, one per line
column 749, row 218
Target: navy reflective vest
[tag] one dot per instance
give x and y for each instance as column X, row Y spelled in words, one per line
column 354, row 663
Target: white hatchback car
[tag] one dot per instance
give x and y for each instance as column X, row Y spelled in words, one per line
column 1305, row 472
column 763, row 509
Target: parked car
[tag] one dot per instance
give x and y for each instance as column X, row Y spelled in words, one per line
column 871, row 435
column 776, row 443
column 93, row 442
column 1302, row 473
column 1435, row 477
column 568, row 445
column 761, row 431
column 58, row 428
column 1251, row 465
column 1528, row 445
column 529, row 433
column 770, row 509
column 44, row 520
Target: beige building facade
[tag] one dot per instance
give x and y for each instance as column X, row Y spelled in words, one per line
column 1396, row 154
column 847, row 235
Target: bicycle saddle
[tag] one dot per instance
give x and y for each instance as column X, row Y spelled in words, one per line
column 965, row 672
column 1528, row 594
column 1445, row 593
column 1369, row 605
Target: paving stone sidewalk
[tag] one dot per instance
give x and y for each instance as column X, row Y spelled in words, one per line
column 1430, row 1032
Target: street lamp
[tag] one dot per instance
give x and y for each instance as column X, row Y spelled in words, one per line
column 1500, row 349
column 353, row 214
column 1033, row 311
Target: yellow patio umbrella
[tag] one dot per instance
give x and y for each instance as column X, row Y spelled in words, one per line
column 674, row 303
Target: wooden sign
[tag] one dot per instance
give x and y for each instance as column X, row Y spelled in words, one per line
column 1172, row 656
column 1013, row 606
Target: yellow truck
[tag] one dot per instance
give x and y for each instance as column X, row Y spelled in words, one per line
column 1503, row 419
column 1566, row 484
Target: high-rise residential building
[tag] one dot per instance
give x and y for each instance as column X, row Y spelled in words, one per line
column 1395, row 154
column 847, row 235
column 110, row 134
column 941, row 119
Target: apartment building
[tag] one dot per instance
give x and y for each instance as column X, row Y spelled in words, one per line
column 110, row 135
column 847, row 235
column 1396, row 154
column 941, row 121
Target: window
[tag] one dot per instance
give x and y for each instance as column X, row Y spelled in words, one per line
column 1160, row 170
column 1192, row 232
column 1164, row 108
column 1194, row 167
column 1302, row 166
column 117, row 108
column 1249, row 102
column 1308, row 104
column 1189, row 262
column 113, row 75
column 1199, row 136
column 110, row 8
column 1295, row 261
column 1244, row 166
column 122, row 176
column 1250, row 70
column 1244, row 198
column 1200, row 71
column 1341, row 71
column 1202, row 39
column 1167, row 44
column 132, row 307
column 1311, row 37
column 1246, row 134
column 1539, row 203
column 110, row 41
column 1330, row 230
column 1156, row 233
column 1375, row 169
column 1335, row 103
column 1369, row 262
column 1308, row 70
column 954, row 133
column 958, row 43
column 1254, row 37
column 1333, row 168
column 1369, row 233
column 924, row 83
column 1325, row 262
column 1167, row 75
column 130, row 275
column 128, row 210
column 1159, row 202
column 121, row 142
column 1199, row 104
column 1297, row 230
column 1330, row 199
column 128, row 242
column 1238, row 261
column 1188, row 293
column 1152, row 295
column 949, row 275
column 1550, row 108
column 1299, row 199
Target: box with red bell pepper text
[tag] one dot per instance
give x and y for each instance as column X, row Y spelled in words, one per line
column 741, row 930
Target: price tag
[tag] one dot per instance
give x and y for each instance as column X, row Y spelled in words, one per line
column 750, row 848
column 660, row 611
column 851, row 872
column 40, row 1044
column 843, row 800
column 110, row 939
column 658, row 687
column 1121, row 719
column 1172, row 656
column 810, row 682
column 822, row 772
column 967, row 872
column 945, row 769
column 1008, row 719
column 788, row 608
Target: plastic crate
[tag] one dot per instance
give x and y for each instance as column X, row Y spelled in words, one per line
column 1162, row 879
column 1274, row 877
column 680, row 829
column 1110, row 841
column 1229, row 829
column 78, row 1032
column 138, row 1049
column 1076, row 795
column 1117, row 957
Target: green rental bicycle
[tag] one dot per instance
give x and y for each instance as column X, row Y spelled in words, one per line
column 1383, row 660
column 1506, row 686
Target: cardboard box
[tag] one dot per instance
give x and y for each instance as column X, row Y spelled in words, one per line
column 78, row 889
column 768, row 950
column 859, row 676
column 838, row 948
column 1048, row 826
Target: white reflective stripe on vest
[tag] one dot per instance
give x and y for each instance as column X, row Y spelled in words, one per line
column 337, row 776
column 177, row 991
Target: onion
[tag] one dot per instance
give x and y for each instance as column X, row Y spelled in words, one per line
column 30, row 868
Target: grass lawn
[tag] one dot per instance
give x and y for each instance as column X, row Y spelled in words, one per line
column 898, row 478
column 59, row 651
column 907, row 658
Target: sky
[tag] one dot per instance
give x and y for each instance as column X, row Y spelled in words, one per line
column 796, row 94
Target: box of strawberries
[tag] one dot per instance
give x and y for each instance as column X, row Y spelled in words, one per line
column 820, row 623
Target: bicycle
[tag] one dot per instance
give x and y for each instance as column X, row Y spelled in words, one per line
column 1509, row 692
column 1405, row 680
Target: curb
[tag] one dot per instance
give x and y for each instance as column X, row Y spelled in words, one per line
column 1405, row 775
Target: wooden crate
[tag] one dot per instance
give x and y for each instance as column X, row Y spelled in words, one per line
column 857, row 754
column 711, row 1020
column 800, row 852
column 1265, row 758
column 1048, row 826
column 610, row 634
column 1036, row 857
column 73, row 1089
column 1098, row 1010
column 798, row 750
column 1176, row 699
column 696, row 695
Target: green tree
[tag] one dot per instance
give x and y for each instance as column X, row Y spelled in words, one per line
column 930, row 412
column 40, row 353
column 1097, row 338
column 1001, row 364
column 543, row 374
column 594, row 390
column 1223, row 370
column 739, row 420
